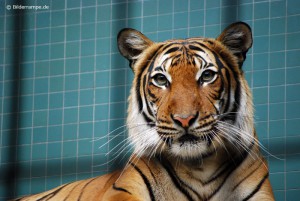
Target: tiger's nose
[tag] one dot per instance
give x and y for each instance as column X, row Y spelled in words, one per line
column 184, row 121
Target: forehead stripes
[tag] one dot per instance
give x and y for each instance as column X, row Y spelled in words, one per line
column 199, row 55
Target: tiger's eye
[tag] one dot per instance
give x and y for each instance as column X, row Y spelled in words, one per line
column 160, row 80
column 207, row 76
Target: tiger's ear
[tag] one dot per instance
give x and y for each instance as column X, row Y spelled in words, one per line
column 237, row 37
column 132, row 43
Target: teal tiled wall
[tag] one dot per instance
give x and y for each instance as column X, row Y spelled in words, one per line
column 64, row 86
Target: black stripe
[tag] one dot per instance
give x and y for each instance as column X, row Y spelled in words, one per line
column 234, row 166
column 257, row 188
column 54, row 192
column 173, row 49
column 146, row 181
column 228, row 92
column 120, row 189
column 177, row 182
column 247, row 176
column 85, row 185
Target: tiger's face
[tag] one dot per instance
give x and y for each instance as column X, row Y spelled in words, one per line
column 184, row 90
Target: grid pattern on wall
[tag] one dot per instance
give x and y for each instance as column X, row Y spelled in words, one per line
column 64, row 86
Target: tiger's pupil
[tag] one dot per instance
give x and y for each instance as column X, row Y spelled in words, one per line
column 207, row 75
column 161, row 80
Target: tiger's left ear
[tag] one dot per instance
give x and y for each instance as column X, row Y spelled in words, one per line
column 132, row 43
column 237, row 37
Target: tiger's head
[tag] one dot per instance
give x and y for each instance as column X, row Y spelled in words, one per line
column 188, row 94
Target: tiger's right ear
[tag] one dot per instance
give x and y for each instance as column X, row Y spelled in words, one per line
column 132, row 43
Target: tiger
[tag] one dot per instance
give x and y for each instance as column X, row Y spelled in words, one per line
column 190, row 123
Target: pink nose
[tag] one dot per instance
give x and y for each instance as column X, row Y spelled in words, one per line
column 184, row 121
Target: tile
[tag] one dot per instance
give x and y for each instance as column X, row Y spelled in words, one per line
column 71, row 82
column 292, row 145
column 277, row 146
column 180, row 20
column 102, row 95
column 293, row 92
column 69, row 165
column 117, row 94
column 119, row 11
column 277, row 43
column 42, row 19
column 71, row 99
column 57, row 34
column 57, row 51
column 278, row 9
column 73, row 16
column 104, row 13
column 70, row 132
column 149, row 8
column 293, row 7
column 38, row 151
column 277, row 25
column 212, row 16
column 55, row 116
column 261, row 112
column 292, row 58
column 72, row 49
column 260, row 95
column 56, row 84
column 54, row 133
column 103, row 29
column 261, row 10
column 277, row 111
column 292, row 75
column 292, row 110
column 134, row 9
column 292, row 180
column 277, row 128
column 70, row 115
column 260, row 61
column 164, row 7
column 164, row 22
column 39, row 135
column 87, row 80
column 86, row 131
column 292, row 163
column 276, row 94
column 102, row 79
column 261, row 44
column 72, row 66
column 261, row 129
column 88, row 31
column 150, row 24
column 54, row 150
column 277, row 77
column 260, row 78
column 41, row 102
column 277, row 60
column 87, row 48
column 88, row 15
column 84, row 147
column 293, row 41
column 261, row 27
column 277, row 181
column 196, row 19
column 69, row 149
column 73, row 32
column 86, row 113
column 57, row 17
column 56, row 67
column 293, row 127
column 180, row 6
column 292, row 195
column 117, row 110
column 293, row 23
column 101, row 112
column 87, row 97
